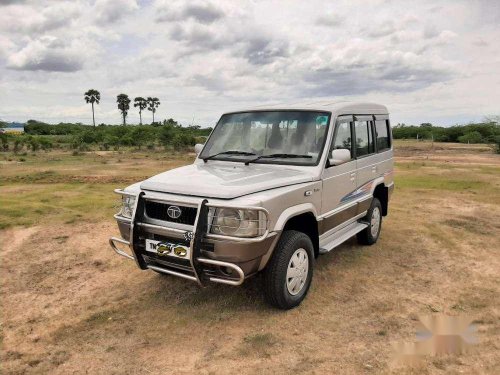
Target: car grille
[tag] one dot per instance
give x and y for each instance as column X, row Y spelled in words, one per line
column 158, row 211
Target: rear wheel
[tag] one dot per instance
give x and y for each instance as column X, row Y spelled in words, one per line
column 370, row 234
column 288, row 275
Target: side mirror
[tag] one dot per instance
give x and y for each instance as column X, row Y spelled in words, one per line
column 339, row 156
column 197, row 148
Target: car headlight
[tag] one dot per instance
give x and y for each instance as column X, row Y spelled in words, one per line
column 127, row 208
column 236, row 222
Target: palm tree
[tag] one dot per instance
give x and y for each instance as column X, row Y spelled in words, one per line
column 92, row 96
column 142, row 104
column 153, row 103
column 123, row 105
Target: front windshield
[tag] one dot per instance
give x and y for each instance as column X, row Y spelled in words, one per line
column 279, row 137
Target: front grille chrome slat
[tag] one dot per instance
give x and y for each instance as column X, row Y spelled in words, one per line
column 159, row 211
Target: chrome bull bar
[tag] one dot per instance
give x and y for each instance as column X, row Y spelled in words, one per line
column 234, row 267
column 196, row 261
column 238, row 270
column 112, row 241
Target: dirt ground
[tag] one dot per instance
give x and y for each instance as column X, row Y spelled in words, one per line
column 70, row 305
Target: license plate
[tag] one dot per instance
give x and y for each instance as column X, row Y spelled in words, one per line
column 162, row 248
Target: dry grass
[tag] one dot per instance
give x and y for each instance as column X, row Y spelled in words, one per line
column 71, row 189
column 69, row 305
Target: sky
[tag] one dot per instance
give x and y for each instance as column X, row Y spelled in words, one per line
column 427, row 61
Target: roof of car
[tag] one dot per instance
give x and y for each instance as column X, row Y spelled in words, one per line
column 338, row 107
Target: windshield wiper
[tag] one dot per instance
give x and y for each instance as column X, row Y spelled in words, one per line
column 230, row 152
column 283, row 156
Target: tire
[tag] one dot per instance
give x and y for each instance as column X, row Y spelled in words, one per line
column 373, row 217
column 279, row 290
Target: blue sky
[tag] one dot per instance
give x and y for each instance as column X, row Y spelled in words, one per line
column 428, row 61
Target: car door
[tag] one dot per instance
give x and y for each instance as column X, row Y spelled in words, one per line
column 366, row 160
column 383, row 142
column 339, row 181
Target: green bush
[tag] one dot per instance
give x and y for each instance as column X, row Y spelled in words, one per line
column 34, row 143
column 18, row 144
column 472, row 137
column 166, row 135
column 45, row 143
column 4, row 139
column 485, row 132
column 497, row 144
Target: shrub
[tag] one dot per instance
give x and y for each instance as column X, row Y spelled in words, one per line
column 18, row 145
column 4, row 138
column 45, row 143
column 472, row 133
column 497, row 143
column 472, row 137
column 166, row 135
column 34, row 144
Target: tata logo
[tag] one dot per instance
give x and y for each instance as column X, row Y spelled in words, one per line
column 174, row 212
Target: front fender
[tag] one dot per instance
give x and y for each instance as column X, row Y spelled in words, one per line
column 294, row 211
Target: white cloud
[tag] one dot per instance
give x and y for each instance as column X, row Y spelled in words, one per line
column 6, row 45
column 203, row 12
column 383, row 29
column 330, row 20
column 203, row 57
column 49, row 54
column 109, row 11
column 34, row 21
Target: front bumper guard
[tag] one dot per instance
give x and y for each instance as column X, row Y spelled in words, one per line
column 113, row 241
column 117, row 250
column 198, row 235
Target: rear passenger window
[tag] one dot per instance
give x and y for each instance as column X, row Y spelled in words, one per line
column 364, row 138
column 382, row 131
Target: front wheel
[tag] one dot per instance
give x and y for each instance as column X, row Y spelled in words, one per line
column 369, row 235
column 288, row 275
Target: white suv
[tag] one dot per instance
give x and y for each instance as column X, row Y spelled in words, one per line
column 270, row 191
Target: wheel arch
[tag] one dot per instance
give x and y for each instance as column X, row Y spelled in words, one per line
column 306, row 223
column 381, row 192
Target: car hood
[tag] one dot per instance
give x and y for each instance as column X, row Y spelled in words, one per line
column 225, row 180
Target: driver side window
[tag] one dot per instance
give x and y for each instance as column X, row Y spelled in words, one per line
column 343, row 137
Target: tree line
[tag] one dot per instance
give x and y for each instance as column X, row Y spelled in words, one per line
column 168, row 133
column 93, row 96
column 487, row 131
column 171, row 134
